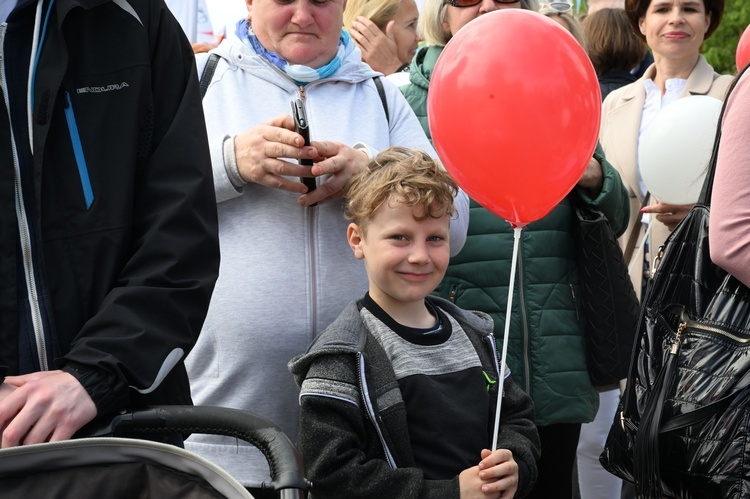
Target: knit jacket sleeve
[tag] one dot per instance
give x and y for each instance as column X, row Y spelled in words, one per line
column 340, row 446
column 518, row 434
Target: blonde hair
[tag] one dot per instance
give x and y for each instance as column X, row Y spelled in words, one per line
column 408, row 176
column 571, row 21
column 432, row 16
column 379, row 12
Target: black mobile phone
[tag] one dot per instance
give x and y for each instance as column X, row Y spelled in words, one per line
column 302, row 127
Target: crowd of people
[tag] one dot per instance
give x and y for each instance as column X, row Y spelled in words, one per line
column 201, row 249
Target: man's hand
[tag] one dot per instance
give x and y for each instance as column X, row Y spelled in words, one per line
column 42, row 407
column 379, row 49
column 341, row 162
column 259, row 151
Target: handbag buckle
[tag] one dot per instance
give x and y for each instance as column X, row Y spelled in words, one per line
column 657, row 260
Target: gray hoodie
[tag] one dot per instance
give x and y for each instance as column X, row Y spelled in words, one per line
column 286, row 271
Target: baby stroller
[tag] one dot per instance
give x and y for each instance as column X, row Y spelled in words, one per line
column 128, row 468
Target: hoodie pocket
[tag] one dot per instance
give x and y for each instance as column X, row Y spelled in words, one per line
column 75, row 140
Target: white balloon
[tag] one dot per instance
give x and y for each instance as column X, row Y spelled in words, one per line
column 674, row 152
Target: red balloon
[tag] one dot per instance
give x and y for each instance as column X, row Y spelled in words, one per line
column 742, row 56
column 514, row 109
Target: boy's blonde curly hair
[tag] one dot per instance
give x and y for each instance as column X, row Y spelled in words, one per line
column 408, row 176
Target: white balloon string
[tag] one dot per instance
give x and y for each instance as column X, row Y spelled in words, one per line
column 501, row 375
column 638, row 253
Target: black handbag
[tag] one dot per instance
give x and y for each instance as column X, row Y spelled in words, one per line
column 608, row 300
column 683, row 425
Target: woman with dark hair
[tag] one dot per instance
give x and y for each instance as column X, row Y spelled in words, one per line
column 675, row 31
column 613, row 48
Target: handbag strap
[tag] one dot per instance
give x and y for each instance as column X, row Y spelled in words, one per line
column 208, row 73
column 708, row 183
column 633, row 238
column 692, row 417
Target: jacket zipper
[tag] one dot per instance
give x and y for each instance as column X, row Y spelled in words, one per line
column 575, row 305
column 75, row 139
column 687, row 325
column 310, row 213
column 499, row 369
column 23, row 226
column 370, row 410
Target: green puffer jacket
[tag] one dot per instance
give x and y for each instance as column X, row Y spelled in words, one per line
column 546, row 351
column 420, row 73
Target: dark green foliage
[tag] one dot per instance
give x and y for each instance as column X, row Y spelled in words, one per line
column 721, row 48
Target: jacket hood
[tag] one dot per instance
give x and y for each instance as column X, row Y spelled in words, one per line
column 239, row 55
column 423, row 64
column 346, row 335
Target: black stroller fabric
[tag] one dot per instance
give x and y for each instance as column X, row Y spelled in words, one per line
column 112, row 468
column 132, row 468
column 134, row 480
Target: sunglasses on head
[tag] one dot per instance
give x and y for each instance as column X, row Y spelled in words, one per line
column 560, row 6
column 472, row 3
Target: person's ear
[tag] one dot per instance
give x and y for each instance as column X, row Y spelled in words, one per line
column 354, row 236
column 249, row 4
column 388, row 31
column 641, row 22
column 708, row 22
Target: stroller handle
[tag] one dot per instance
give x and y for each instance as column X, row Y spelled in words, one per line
column 285, row 461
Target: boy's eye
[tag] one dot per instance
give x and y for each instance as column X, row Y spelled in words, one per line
column 398, row 237
column 436, row 238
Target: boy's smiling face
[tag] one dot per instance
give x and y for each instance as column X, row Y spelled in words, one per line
column 405, row 258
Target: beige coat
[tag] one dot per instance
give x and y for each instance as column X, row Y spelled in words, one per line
column 621, row 118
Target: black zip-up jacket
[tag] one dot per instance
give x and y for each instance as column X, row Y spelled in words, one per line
column 354, row 436
column 118, row 199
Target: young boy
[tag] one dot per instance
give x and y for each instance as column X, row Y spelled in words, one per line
column 398, row 395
